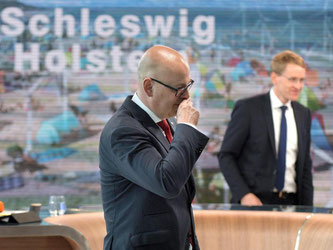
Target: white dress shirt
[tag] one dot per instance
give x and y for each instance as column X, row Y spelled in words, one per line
column 292, row 148
column 137, row 100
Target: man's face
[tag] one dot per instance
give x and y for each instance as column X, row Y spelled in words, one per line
column 289, row 84
column 165, row 101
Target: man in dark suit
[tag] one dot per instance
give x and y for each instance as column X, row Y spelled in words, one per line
column 146, row 172
column 265, row 155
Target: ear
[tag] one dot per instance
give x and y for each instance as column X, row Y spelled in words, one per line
column 273, row 77
column 148, row 87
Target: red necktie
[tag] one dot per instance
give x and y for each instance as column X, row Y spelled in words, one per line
column 166, row 128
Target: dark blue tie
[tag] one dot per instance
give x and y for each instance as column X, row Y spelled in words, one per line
column 281, row 167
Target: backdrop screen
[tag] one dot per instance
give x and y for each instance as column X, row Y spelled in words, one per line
column 66, row 67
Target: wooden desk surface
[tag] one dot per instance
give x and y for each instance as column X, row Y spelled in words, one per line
column 36, row 236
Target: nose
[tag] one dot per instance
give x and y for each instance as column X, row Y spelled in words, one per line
column 299, row 85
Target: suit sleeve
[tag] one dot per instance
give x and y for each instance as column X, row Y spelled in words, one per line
column 138, row 160
column 232, row 146
column 307, row 185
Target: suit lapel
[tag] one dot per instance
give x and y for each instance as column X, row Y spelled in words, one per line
column 269, row 121
column 146, row 122
column 154, row 129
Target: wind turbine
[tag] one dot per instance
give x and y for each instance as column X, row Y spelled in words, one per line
column 29, row 96
column 265, row 35
column 324, row 43
column 244, row 30
column 327, row 35
column 291, row 26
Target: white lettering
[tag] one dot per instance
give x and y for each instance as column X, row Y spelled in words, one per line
column 159, row 26
column 130, row 23
column 133, row 60
column 104, row 25
column 34, row 26
column 204, row 36
column 116, row 56
column 21, row 56
column 55, row 61
column 97, row 60
column 59, row 20
column 183, row 23
column 15, row 26
column 84, row 22
column 76, row 58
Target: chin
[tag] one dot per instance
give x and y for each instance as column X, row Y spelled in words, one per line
column 294, row 98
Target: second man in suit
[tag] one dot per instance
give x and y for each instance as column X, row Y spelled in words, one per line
column 265, row 155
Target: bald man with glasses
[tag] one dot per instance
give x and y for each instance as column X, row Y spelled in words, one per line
column 265, row 154
column 146, row 162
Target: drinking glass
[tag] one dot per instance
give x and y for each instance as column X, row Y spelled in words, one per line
column 35, row 207
column 57, row 205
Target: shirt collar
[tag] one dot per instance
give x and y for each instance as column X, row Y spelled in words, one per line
column 151, row 114
column 275, row 101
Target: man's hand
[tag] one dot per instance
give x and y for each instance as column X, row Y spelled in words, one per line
column 251, row 200
column 187, row 113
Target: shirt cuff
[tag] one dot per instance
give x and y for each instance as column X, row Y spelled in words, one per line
column 189, row 124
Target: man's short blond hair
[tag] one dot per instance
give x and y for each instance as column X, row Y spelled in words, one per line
column 280, row 61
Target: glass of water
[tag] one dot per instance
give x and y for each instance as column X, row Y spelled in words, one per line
column 57, row 205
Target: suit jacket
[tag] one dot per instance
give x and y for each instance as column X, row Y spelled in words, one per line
column 147, row 185
column 247, row 157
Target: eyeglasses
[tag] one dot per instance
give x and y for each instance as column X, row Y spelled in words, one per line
column 294, row 80
column 179, row 91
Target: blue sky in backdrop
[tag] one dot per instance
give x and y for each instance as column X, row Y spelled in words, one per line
column 248, row 4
